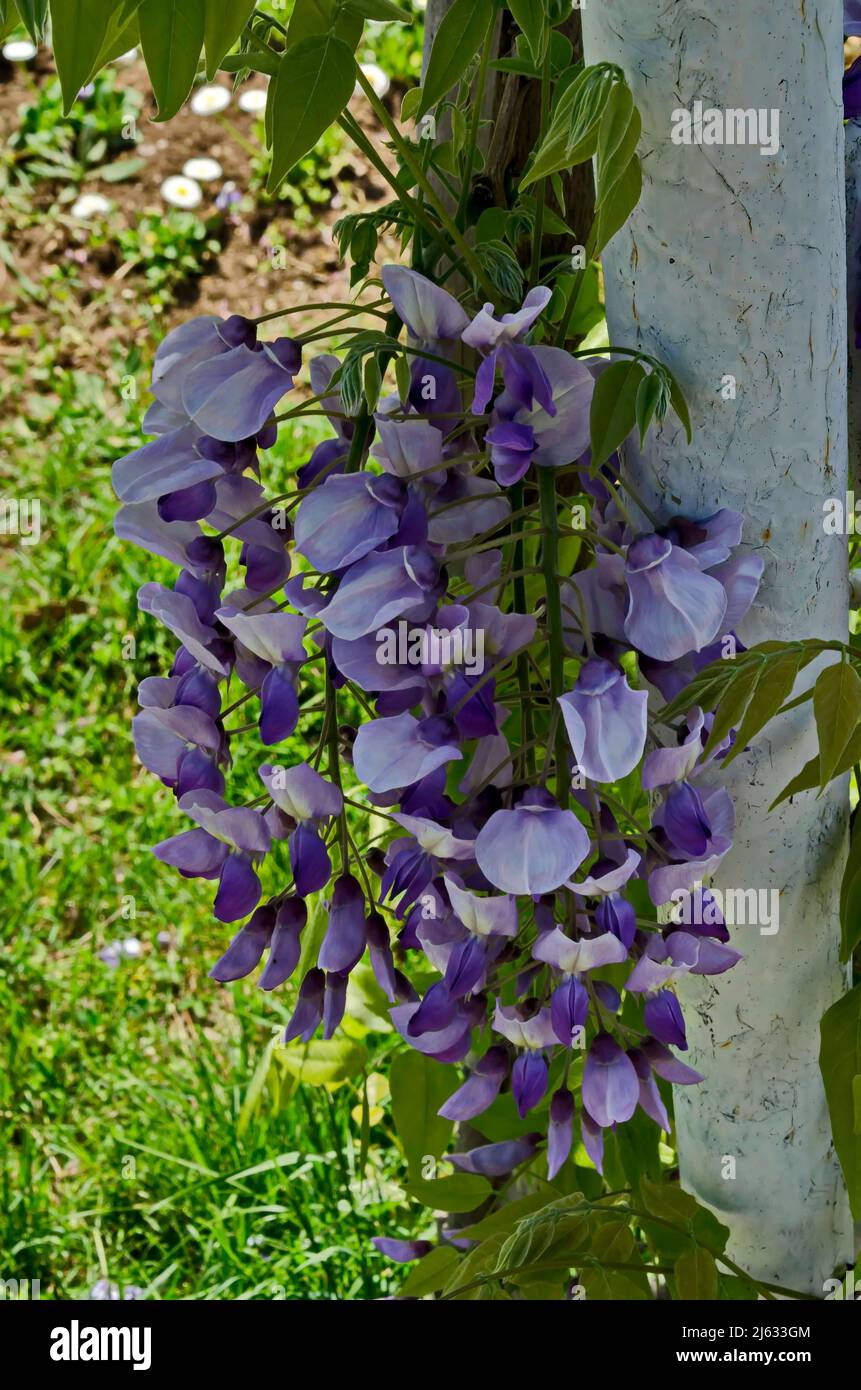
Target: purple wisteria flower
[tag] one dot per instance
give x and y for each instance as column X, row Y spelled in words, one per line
column 533, row 848
column 606, row 721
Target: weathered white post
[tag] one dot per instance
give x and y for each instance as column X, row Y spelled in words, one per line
column 732, row 270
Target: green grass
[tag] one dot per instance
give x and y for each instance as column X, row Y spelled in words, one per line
column 126, row 1152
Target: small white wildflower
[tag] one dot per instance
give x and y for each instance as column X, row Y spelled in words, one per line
column 202, row 169
column 208, row 101
column 91, row 205
column 181, row 192
column 129, row 56
column 253, row 100
column 19, row 51
column 379, row 80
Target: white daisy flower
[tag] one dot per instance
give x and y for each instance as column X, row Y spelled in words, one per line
column 91, row 205
column 208, row 101
column 253, row 101
column 379, row 80
column 202, row 169
column 181, row 191
column 19, row 51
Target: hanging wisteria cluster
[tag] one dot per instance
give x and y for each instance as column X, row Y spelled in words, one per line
column 537, row 811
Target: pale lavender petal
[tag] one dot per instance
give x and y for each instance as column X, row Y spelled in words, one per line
column 428, row 312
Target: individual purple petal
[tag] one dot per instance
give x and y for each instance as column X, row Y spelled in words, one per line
column 380, row 955
column 309, row 1008
column 429, row 313
column 674, row 764
column 141, row 524
column 532, row 849
column 610, row 879
column 587, row 953
column 406, row 449
column 606, row 721
column 740, row 577
column 511, row 450
column 274, row 637
column 301, row 792
column 852, row 92
column 342, row 520
column 479, row 1090
column 309, row 860
column 616, row 915
column 685, row 820
column 279, row 707
column 483, row 508
column 243, row 827
column 650, row 1097
column 196, row 853
column 374, row 590
column 467, row 966
column 232, row 396
column 569, row 1009
column 334, row 1002
column 529, row 1078
column 663, row 1018
column 668, row 1067
column 397, row 752
column 610, row 1084
column 346, row 936
column 673, row 608
column 483, row 916
column 497, row 1160
column 485, row 332
column 435, row 1012
column 179, row 615
column 245, row 950
column 168, row 463
column 451, row 1042
column 435, row 839
column 401, row 1251
column 285, row 947
column 593, row 1139
column 559, row 1131
column 238, row 889
column 524, row 1028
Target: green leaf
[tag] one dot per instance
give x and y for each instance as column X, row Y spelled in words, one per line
column 572, row 135
column 460, row 1192
column 732, row 707
column 171, row 39
column 668, row 1201
column 505, row 1218
column 649, row 396
column 618, row 134
column 9, row 18
column 382, row 10
column 616, row 208
column 850, row 896
column 529, row 17
column 613, row 411
column 223, row 23
column 419, row 1086
column 326, row 1062
column 431, row 1272
column 458, row 39
column 680, row 405
column 315, row 81
column 808, row 777
column 774, row 683
column 696, row 1275
column 609, row 1286
column 837, row 710
column 548, row 1238
column 78, row 30
column 313, row 18
column 479, row 1260
column 840, row 1064
column 33, row 16
column 255, row 1086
